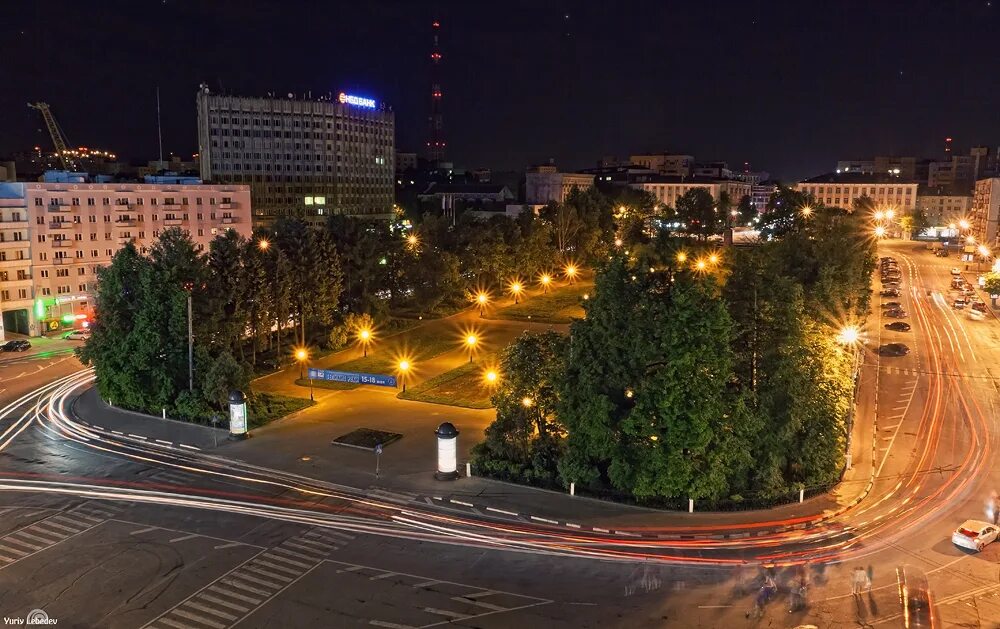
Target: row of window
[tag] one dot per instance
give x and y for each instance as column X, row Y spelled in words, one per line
column 91, row 201
column 122, row 218
column 298, row 123
column 857, row 190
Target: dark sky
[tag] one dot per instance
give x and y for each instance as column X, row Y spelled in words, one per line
column 790, row 87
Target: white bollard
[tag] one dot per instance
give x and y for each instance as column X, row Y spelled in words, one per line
column 468, row 470
column 849, row 460
column 164, row 413
column 690, row 505
column 572, row 489
column 802, row 495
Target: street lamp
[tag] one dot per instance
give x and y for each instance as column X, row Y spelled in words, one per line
column 515, row 290
column 879, row 231
column 889, row 214
column 682, row 257
column 263, row 244
column 403, row 367
column 879, row 215
column 527, row 402
column 482, row 299
column 806, row 211
column 491, row 377
column 302, row 356
column 713, row 258
column 850, row 336
column 618, row 242
column 470, row 342
column 365, row 336
column 701, row 265
column 964, row 224
column 571, row 271
column 545, row 280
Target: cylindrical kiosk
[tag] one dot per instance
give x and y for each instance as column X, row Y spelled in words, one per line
column 447, row 436
column 238, row 415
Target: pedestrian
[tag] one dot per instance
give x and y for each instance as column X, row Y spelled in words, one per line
column 868, row 578
column 857, row 580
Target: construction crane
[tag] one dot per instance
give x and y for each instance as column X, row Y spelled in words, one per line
column 58, row 139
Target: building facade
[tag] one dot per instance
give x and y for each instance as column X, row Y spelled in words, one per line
column 842, row 190
column 301, row 157
column 544, row 184
column 985, row 210
column 54, row 237
column 667, row 190
column 943, row 209
column 665, row 163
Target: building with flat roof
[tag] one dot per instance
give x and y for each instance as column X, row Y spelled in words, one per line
column 55, row 235
column 665, row 163
column 545, row 184
column 301, row 157
column 943, row 209
column 842, row 190
column 667, row 189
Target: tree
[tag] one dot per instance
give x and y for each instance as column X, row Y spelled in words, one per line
column 224, row 374
column 915, row 223
column 226, row 282
column 697, row 211
column 524, row 441
column 992, row 285
column 783, row 212
column 314, row 271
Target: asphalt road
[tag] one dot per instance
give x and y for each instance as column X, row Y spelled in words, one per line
column 113, row 535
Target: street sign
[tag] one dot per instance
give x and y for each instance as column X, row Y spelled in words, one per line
column 353, row 377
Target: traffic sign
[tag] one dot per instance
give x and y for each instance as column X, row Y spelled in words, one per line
column 353, row 377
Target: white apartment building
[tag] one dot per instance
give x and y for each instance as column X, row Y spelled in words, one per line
column 942, row 209
column 54, row 237
column 543, row 184
column 843, row 189
column 668, row 189
column 985, row 210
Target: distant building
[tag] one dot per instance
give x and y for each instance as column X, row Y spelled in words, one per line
column 960, row 172
column 54, row 235
column 544, row 184
column 857, row 166
column 942, row 209
column 405, row 162
column 715, row 170
column 299, row 156
column 175, row 165
column 455, row 198
column 985, row 210
column 904, row 168
column 841, row 190
column 667, row 190
column 665, row 163
column 7, row 171
column 760, row 195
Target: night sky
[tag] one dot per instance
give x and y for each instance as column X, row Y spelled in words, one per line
column 789, row 87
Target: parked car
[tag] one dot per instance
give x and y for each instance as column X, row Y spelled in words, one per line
column 896, row 313
column 894, row 349
column 941, row 253
column 959, row 303
column 890, row 292
column 892, row 304
column 974, row 534
column 955, row 271
column 898, row 326
column 15, row 346
column 77, row 335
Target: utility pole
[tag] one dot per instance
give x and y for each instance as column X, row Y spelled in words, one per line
column 190, row 346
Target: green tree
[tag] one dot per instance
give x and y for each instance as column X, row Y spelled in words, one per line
column 697, row 211
column 783, row 212
column 224, row 374
column 992, row 283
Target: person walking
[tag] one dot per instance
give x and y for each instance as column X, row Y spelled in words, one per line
column 858, row 580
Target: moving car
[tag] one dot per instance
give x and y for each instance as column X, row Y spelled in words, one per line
column 959, row 303
column 898, row 326
column 941, row 253
column 894, row 349
column 915, row 598
column 974, row 534
column 955, row 271
column 976, row 315
column 77, row 335
column 15, row 346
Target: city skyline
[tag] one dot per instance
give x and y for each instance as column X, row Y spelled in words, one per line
column 563, row 82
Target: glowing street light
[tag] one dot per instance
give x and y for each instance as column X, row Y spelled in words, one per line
column 618, row 242
column 413, row 241
column 806, row 211
column 848, row 335
column 545, row 280
column 527, row 402
column 491, row 377
column 879, row 215
column 701, row 265
column 403, row 367
column 515, row 290
column 263, row 244
column 879, row 231
column 571, row 271
column 964, row 224
column 302, row 355
column 482, row 299
column 889, row 214
column 970, row 239
column 470, row 342
column 983, row 251
column 365, row 336
column 682, row 257
column 713, row 258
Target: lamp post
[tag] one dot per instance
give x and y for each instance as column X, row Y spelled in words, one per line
column 470, row 342
column 403, row 367
column 515, row 289
column 571, row 271
column 481, row 299
column 365, row 336
column 545, row 281
column 302, row 356
column 491, row 377
column 849, row 336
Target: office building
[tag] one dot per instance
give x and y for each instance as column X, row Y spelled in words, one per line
column 54, row 235
column 985, row 210
column 667, row 190
column 842, row 190
column 665, row 163
column 941, row 208
column 300, row 156
column 545, row 184
column 857, row 166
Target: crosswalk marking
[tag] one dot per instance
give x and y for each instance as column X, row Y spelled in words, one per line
column 445, row 612
column 199, row 619
column 268, row 573
column 490, row 606
column 236, row 595
column 261, row 562
column 219, row 601
column 285, row 560
column 232, row 582
column 285, row 551
column 209, row 610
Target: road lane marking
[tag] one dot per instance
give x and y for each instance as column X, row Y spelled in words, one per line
column 384, row 575
column 459, row 502
column 286, row 560
column 480, row 594
column 286, row 569
column 426, row 584
column 252, row 579
column 219, row 601
column 199, row 619
column 166, row 443
column 230, row 545
column 184, row 445
column 490, row 606
column 389, row 625
column 446, row 613
column 209, row 610
column 546, row 520
column 184, row 538
column 146, row 530
column 236, row 595
column 511, row 513
column 233, row 582
column 137, row 436
column 267, row 573
column 285, row 551
column 310, row 549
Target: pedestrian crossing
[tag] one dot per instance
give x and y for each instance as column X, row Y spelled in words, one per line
column 399, row 497
column 900, row 371
column 241, row 591
column 45, row 534
column 175, row 477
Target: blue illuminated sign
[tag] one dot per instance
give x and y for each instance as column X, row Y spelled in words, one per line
column 353, row 377
column 357, row 101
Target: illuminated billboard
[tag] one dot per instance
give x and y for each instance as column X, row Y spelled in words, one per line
column 357, row 101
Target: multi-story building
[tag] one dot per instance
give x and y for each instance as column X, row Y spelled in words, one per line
column 863, row 166
column 985, row 210
column 544, row 184
column 960, row 172
column 667, row 190
column 665, row 163
column 54, row 236
column 301, row 157
column 943, row 209
column 841, row 190
column 760, row 195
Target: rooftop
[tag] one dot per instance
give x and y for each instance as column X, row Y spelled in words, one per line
column 856, row 178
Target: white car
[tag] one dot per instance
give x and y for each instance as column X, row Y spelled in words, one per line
column 974, row 534
column 955, row 271
column 78, row 335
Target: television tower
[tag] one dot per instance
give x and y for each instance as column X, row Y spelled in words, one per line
column 435, row 136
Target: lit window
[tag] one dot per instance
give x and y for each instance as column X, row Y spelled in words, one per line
column 309, row 200
column 320, row 200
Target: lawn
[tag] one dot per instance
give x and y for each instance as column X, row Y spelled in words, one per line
column 561, row 305
column 463, row 386
column 265, row 408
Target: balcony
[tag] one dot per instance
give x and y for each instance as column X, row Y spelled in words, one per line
column 14, row 244
column 16, row 282
column 63, row 243
column 228, row 206
column 62, row 261
column 12, row 262
column 229, row 220
column 170, row 222
column 12, row 223
column 170, row 206
column 59, row 224
column 60, row 207
column 123, row 222
column 124, row 207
